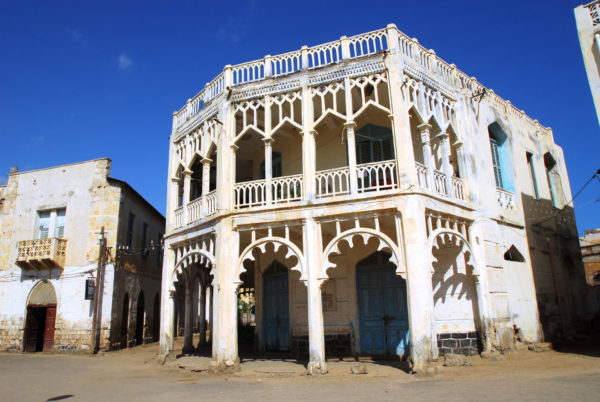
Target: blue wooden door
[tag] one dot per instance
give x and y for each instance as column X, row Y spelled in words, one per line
column 276, row 316
column 382, row 310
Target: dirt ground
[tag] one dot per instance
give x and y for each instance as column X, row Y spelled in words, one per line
column 569, row 373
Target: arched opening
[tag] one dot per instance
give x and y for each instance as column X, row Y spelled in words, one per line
column 196, row 179
column 156, row 318
column 125, row 321
column 454, row 297
column 139, row 319
column 180, row 185
column 382, row 307
column 40, row 318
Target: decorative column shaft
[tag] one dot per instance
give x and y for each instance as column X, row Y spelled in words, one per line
column 187, row 180
column 205, row 183
column 350, row 141
column 316, row 333
column 167, row 312
column 446, row 166
column 424, row 131
column 268, row 170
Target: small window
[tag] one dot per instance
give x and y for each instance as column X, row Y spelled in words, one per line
column 130, row 223
column 496, row 163
column 44, row 224
column 532, row 177
column 59, row 231
column 374, row 144
column 513, row 254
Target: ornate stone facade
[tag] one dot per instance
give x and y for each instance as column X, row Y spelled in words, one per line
column 371, row 193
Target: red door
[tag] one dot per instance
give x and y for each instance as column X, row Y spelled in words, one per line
column 49, row 328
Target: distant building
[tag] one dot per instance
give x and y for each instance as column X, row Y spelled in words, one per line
column 50, row 222
column 590, row 249
column 587, row 18
column 377, row 200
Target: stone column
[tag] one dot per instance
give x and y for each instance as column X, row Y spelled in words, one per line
column 419, row 285
column 167, row 313
column 205, row 183
column 481, row 287
column 187, row 180
column 268, row 170
column 211, row 312
column 424, row 131
column 350, row 142
column 225, row 343
column 316, row 333
column 202, row 315
column 462, row 168
column 446, row 166
column 188, row 345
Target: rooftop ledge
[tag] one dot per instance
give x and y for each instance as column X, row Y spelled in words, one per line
column 388, row 39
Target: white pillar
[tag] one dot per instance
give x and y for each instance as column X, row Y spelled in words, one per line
column 187, row 179
column 268, row 170
column 349, row 128
column 446, row 166
column 205, row 183
column 225, row 348
column 424, row 132
column 188, row 345
column 316, row 333
column 167, row 313
column 210, row 298
column 419, row 285
column 481, row 287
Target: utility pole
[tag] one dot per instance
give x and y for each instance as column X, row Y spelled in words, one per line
column 95, row 333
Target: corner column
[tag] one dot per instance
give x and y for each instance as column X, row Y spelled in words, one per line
column 202, row 315
column 419, row 285
column 188, row 345
column 316, row 333
column 167, row 311
column 205, row 183
column 187, row 179
column 446, row 167
column 268, row 170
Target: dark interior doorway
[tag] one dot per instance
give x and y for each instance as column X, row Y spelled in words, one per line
column 156, row 320
column 125, row 321
column 39, row 328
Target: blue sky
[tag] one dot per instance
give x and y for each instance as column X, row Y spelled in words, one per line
column 89, row 79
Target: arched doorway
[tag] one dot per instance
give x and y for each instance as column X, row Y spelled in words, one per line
column 276, row 314
column 139, row 320
column 40, row 319
column 382, row 307
column 125, row 321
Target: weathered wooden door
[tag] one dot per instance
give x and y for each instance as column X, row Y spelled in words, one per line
column 276, row 317
column 31, row 328
column 49, row 328
column 383, row 313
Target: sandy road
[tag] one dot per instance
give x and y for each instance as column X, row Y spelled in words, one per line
column 570, row 374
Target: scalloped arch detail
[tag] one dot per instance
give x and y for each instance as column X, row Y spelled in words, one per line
column 194, row 256
column 384, row 243
column 293, row 251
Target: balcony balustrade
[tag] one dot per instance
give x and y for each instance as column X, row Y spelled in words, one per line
column 42, row 253
column 506, row 199
column 332, row 182
column 440, row 183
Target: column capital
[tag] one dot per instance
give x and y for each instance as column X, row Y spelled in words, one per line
column 312, row 132
column 458, row 144
column 424, row 127
column 206, row 161
column 187, row 172
column 234, row 147
column 268, row 141
column 443, row 136
column 349, row 124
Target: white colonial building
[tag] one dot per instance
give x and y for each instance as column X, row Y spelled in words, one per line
column 377, row 199
column 587, row 18
column 50, row 224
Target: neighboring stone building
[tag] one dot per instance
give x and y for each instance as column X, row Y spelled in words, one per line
column 50, row 223
column 590, row 249
column 587, row 18
column 378, row 200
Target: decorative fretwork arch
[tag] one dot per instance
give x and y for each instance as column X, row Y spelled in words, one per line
column 201, row 252
column 428, row 104
column 385, row 243
column 277, row 242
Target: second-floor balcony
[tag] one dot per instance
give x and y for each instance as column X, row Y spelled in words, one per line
column 41, row 253
column 438, row 182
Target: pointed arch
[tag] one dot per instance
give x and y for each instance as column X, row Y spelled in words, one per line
column 42, row 293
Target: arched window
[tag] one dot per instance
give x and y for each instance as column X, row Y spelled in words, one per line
column 501, row 160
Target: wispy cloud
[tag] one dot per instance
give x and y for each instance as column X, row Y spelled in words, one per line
column 77, row 36
column 124, row 62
